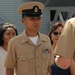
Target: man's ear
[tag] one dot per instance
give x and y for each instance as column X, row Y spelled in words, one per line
column 22, row 20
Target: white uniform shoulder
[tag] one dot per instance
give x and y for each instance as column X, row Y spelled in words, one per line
column 45, row 36
column 16, row 38
column 72, row 21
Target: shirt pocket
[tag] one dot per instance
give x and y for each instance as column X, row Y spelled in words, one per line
column 25, row 60
column 24, row 63
column 26, row 57
column 44, row 60
column 45, row 56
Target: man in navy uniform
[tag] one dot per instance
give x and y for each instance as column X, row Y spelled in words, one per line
column 30, row 52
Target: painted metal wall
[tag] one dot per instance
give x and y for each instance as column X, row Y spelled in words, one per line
column 8, row 13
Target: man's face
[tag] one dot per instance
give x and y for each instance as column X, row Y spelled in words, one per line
column 32, row 23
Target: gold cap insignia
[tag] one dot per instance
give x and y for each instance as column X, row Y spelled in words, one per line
column 35, row 9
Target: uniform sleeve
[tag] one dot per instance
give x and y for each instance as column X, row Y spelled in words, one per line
column 51, row 59
column 0, row 64
column 65, row 45
column 11, row 56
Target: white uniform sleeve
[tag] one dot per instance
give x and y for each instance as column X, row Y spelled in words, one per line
column 65, row 45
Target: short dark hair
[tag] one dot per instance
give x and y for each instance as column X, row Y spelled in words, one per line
column 53, row 28
column 3, row 29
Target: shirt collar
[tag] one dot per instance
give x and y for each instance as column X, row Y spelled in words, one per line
column 24, row 37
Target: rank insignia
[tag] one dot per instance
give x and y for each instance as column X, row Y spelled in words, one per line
column 46, row 50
